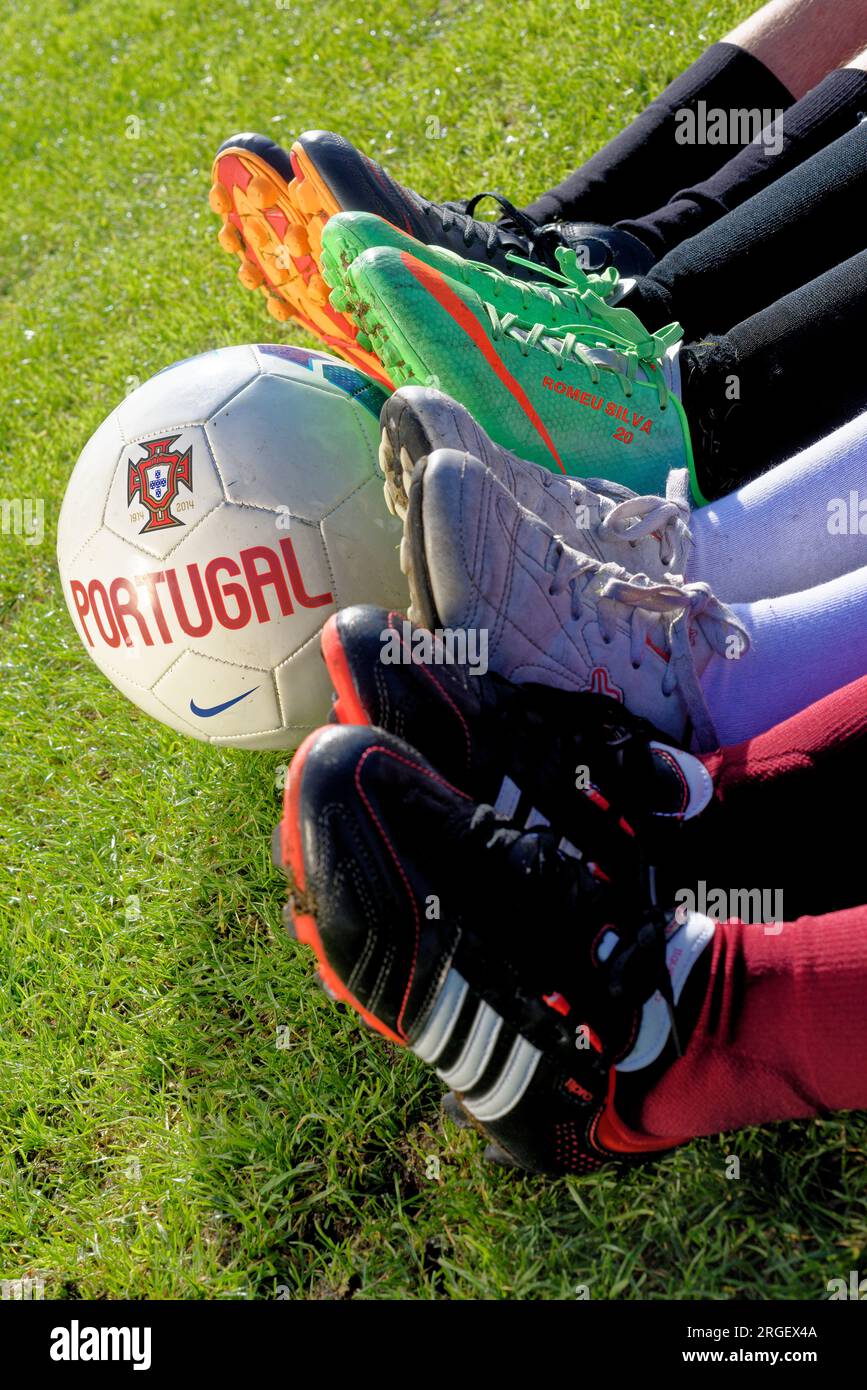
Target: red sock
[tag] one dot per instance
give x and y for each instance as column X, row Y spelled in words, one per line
column 819, row 739
column 782, row 1033
column 782, row 809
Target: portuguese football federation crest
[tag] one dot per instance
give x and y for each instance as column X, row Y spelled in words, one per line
column 156, row 481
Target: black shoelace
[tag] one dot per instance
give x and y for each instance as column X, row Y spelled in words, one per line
column 517, row 223
column 545, row 885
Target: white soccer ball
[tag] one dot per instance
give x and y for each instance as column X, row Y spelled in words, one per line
column 212, row 524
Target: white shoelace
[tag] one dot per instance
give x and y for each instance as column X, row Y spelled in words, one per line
column 645, row 600
column 638, row 517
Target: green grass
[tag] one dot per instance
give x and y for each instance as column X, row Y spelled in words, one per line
column 156, row 1142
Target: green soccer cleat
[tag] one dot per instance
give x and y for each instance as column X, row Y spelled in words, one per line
column 578, row 399
column 554, row 299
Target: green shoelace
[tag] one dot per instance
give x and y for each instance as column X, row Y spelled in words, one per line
column 589, row 294
column 564, row 344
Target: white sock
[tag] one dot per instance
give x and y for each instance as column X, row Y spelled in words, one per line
column 780, row 533
column 804, row 646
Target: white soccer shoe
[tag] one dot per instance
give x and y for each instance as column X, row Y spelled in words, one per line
column 477, row 559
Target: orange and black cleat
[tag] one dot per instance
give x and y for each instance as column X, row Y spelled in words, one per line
column 273, row 205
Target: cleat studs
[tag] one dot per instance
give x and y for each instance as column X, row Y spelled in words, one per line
column 317, row 289
column 306, row 196
column 282, row 258
column 408, row 468
column 230, row 239
column 339, row 300
column 220, row 199
column 326, row 989
column 257, row 233
column 250, row 275
column 277, row 275
column 363, row 341
column 314, row 234
column 261, row 193
column 295, row 240
column 453, row 1109
column 288, row 919
column 385, row 350
column 494, row 1154
column 386, row 452
column 277, row 849
column 395, row 494
column 277, row 309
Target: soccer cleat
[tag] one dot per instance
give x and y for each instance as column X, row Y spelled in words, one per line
column 476, row 559
column 537, row 754
column 274, row 203
column 600, row 248
column 576, row 400
column 648, row 534
column 505, row 964
column 555, row 298
column 454, row 1111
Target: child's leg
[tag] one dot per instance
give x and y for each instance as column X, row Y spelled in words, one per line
column 779, row 381
column 797, row 227
column 792, row 528
column 767, row 62
column 644, row 165
column 804, row 647
column 781, row 1033
column 781, row 811
column 826, row 113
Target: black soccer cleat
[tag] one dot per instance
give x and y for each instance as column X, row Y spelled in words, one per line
column 506, row 964
column 599, row 247
column 581, row 761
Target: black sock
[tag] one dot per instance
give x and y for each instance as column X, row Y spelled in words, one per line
column 644, row 164
column 824, row 114
column 776, row 383
column 793, row 230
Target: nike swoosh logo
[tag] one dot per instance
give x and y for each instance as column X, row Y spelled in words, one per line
column 455, row 307
column 218, row 709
